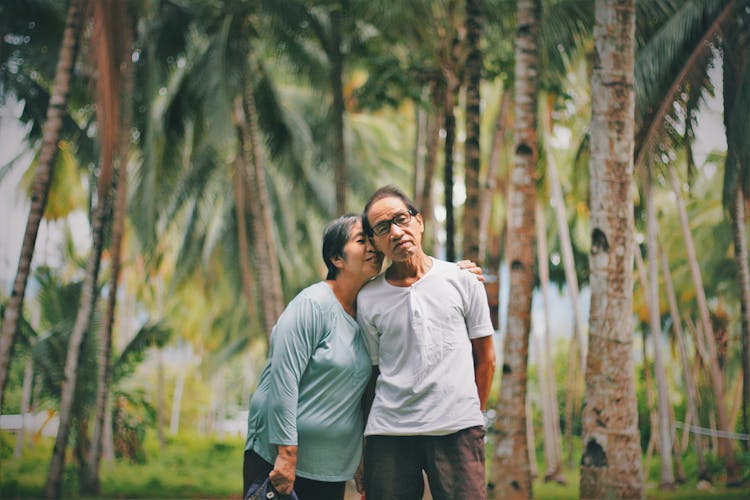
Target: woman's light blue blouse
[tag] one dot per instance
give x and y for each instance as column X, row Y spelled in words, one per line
column 310, row 391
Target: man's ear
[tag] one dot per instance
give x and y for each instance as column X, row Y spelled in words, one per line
column 420, row 220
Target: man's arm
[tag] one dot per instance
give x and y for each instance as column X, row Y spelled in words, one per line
column 483, row 352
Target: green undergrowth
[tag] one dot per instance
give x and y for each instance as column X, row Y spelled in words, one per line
column 209, row 467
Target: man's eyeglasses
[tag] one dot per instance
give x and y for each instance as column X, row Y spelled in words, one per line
column 401, row 219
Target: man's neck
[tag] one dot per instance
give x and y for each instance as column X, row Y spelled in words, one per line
column 409, row 271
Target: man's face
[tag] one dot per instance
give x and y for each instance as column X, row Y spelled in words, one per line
column 398, row 233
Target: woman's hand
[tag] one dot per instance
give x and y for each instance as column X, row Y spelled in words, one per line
column 359, row 477
column 283, row 474
column 472, row 267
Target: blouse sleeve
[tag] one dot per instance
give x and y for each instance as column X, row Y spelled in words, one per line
column 295, row 337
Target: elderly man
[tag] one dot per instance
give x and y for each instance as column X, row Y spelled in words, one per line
column 428, row 331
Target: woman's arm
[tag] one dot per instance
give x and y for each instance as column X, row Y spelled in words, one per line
column 283, row 474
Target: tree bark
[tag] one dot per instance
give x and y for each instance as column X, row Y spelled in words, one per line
column 336, row 61
column 470, row 242
column 611, row 459
column 450, row 139
column 491, row 188
column 743, row 278
column 89, row 294
column 510, row 467
column 435, row 124
column 90, row 484
column 268, row 269
column 41, row 184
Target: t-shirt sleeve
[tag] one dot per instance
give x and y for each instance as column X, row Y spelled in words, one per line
column 369, row 334
column 295, row 337
column 478, row 321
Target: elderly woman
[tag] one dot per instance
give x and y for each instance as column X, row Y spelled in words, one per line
column 305, row 422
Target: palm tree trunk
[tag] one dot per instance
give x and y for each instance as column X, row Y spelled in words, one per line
column 268, row 268
column 90, row 484
column 40, row 187
column 511, row 472
column 566, row 247
column 552, row 451
column 420, row 147
column 160, row 403
column 240, row 205
column 336, row 61
column 434, row 125
column 530, row 446
column 611, row 460
column 28, row 377
column 652, row 286
column 570, row 399
column 743, row 277
column 473, row 68
column 450, row 139
column 89, row 295
column 490, row 183
column 174, row 421
column 689, row 385
column 717, row 377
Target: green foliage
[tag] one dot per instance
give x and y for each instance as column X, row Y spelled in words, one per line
column 189, row 467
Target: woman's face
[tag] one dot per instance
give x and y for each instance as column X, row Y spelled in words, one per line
column 360, row 257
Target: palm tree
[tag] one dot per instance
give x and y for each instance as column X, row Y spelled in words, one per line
column 471, row 146
column 117, row 23
column 109, row 52
column 511, row 473
column 611, row 460
column 652, row 286
column 40, row 190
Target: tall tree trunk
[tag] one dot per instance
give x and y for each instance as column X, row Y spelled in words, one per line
column 268, row 271
column 552, row 445
column 450, row 139
column 336, row 61
column 743, row 278
column 421, row 117
column 566, row 246
column 666, row 480
column 511, row 473
column 41, row 184
column 491, row 180
column 28, row 377
column 160, row 400
column 174, row 420
column 89, row 295
column 470, row 242
column 611, row 460
column 530, row 446
column 716, row 375
column 90, row 484
column 239, row 181
column 434, row 125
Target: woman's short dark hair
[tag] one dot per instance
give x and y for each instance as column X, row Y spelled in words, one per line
column 385, row 192
column 335, row 235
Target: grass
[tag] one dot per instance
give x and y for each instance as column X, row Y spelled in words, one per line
column 189, row 467
column 208, row 467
